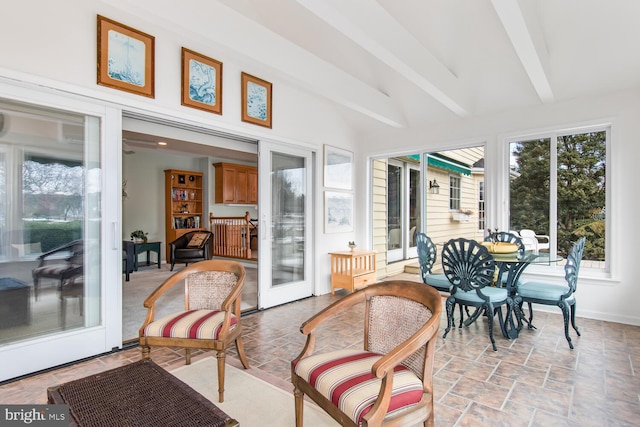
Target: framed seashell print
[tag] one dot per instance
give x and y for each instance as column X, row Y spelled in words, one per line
column 256, row 100
column 201, row 82
column 125, row 58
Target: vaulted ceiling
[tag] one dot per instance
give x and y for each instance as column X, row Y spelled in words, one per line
column 410, row 63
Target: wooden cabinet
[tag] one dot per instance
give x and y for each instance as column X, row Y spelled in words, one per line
column 236, row 184
column 351, row 270
column 183, row 204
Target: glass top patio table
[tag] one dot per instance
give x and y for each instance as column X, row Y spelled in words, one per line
column 513, row 265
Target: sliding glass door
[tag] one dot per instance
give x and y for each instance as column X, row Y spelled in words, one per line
column 51, row 237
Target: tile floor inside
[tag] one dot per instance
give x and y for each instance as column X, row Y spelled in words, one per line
column 534, row 380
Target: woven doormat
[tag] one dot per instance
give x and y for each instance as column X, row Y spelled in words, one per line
column 138, row 394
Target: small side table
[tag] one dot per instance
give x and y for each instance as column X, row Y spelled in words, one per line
column 351, row 270
column 147, row 247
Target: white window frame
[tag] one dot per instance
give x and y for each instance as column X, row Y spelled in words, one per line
column 482, row 205
column 458, row 200
column 553, row 135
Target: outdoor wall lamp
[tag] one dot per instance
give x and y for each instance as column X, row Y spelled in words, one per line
column 434, row 187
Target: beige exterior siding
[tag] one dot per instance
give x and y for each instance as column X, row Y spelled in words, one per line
column 379, row 215
column 440, row 223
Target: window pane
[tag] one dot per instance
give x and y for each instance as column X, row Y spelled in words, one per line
column 454, row 192
column 394, row 206
column 577, row 206
column 581, row 193
column 49, row 221
column 288, row 213
column 481, row 213
column 529, row 190
column 414, row 205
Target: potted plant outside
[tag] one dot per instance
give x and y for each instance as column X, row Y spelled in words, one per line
column 462, row 215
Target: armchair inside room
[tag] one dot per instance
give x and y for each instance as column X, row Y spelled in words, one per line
column 390, row 380
column 62, row 264
column 191, row 247
column 210, row 319
column 561, row 295
column 534, row 242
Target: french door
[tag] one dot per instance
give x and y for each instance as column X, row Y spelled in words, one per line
column 403, row 209
column 286, row 224
column 55, row 173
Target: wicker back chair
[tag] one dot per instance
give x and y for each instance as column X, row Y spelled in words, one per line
column 211, row 318
column 390, row 379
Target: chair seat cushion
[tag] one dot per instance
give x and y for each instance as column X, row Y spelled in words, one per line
column 54, row 270
column 542, row 291
column 189, row 253
column 194, row 324
column 496, row 295
column 438, row 281
column 344, row 377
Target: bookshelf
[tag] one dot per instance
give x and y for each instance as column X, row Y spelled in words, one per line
column 183, row 204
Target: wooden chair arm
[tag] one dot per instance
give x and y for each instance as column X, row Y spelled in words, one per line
column 332, row 310
column 233, row 296
column 308, row 328
column 169, row 283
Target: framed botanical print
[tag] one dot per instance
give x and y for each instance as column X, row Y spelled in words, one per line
column 201, row 82
column 338, row 212
column 256, row 100
column 125, row 58
column 338, row 166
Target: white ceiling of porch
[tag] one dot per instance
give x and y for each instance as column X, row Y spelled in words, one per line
column 411, row 63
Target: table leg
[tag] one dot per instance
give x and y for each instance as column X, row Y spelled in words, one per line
column 513, row 270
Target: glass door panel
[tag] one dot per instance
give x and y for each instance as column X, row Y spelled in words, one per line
column 50, row 237
column 287, row 219
column 394, row 212
column 414, row 212
column 285, row 224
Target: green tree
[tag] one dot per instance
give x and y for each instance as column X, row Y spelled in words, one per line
column 529, row 192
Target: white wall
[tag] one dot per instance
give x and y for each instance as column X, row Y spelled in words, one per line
column 54, row 45
column 602, row 298
column 144, row 207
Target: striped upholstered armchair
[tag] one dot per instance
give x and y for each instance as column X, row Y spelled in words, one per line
column 211, row 318
column 390, row 379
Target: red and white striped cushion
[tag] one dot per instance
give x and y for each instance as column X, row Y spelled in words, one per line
column 195, row 324
column 344, row 377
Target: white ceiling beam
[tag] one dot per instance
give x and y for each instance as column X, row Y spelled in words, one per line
column 255, row 44
column 370, row 26
column 523, row 28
